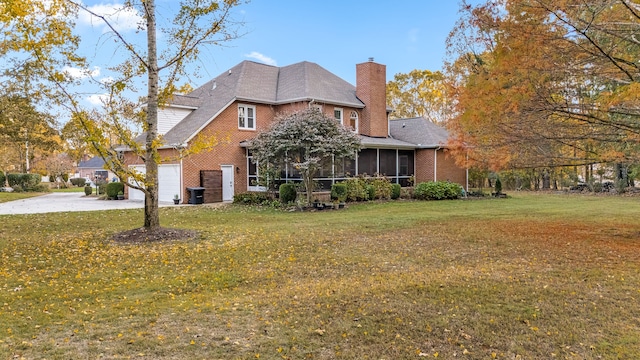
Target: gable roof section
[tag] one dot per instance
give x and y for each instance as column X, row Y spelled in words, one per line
column 307, row 81
column 419, row 131
column 95, row 162
column 259, row 83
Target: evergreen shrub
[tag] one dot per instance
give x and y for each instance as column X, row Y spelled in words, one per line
column 438, row 190
column 113, row 188
column 396, row 189
column 339, row 192
column 288, row 193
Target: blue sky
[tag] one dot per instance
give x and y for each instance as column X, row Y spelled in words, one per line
column 336, row 34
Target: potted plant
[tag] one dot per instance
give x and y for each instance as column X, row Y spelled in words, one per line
column 120, row 195
column 176, row 199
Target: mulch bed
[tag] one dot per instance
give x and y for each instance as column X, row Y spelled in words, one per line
column 144, row 235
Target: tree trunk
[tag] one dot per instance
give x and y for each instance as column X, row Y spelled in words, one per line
column 151, row 215
column 546, row 179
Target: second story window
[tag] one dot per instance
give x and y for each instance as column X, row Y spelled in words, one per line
column 337, row 113
column 353, row 121
column 246, row 117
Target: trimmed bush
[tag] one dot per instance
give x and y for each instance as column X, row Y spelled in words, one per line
column 102, row 186
column 381, row 188
column 438, row 190
column 26, row 182
column 339, row 192
column 113, row 188
column 498, row 187
column 253, row 198
column 356, row 189
column 371, row 192
column 396, row 189
column 288, row 193
column 79, row 182
column 88, row 190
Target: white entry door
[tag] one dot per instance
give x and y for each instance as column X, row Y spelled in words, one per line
column 227, row 182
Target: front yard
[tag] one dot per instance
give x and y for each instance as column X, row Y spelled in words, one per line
column 535, row 276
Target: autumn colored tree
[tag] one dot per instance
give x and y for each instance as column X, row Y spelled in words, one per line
column 303, row 139
column 541, row 83
column 58, row 166
column 44, row 32
column 25, row 131
column 418, row 93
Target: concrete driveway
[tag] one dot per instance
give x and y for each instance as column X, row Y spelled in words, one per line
column 61, row 202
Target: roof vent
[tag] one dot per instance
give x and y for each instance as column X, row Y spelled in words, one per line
column 370, row 59
column 215, row 85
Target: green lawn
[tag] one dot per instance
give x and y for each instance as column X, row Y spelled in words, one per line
column 534, row 276
column 11, row 196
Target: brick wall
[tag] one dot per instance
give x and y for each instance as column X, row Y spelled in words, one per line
column 424, row 165
column 446, row 168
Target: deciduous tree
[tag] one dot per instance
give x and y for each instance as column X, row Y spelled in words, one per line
column 303, row 139
column 546, row 83
column 44, row 32
column 418, row 93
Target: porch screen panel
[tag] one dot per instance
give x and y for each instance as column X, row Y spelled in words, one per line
column 367, row 162
column 388, row 162
column 405, row 160
column 345, row 167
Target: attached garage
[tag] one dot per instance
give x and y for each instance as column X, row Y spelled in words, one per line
column 169, row 183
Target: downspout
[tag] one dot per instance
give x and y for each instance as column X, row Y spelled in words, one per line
column 179, row 147
column 435, row 163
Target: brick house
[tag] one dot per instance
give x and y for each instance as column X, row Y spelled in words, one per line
column 245, row 99
column 93, row 168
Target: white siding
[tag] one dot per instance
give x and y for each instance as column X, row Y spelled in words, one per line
column 168, row 117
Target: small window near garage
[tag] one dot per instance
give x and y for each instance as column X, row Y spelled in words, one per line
column 337, row 114
column 246, row 117
column 353, row 121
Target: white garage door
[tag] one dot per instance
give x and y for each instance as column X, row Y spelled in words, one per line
column 168, row 183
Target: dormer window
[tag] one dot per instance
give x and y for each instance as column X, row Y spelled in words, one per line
column 353, row 121
column 246, row 117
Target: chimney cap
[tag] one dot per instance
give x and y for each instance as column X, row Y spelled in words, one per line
column 371, row 59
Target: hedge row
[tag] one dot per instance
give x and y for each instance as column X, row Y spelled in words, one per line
column 24, row 182
column 363, row 189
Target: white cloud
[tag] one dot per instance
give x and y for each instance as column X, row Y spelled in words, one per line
column 122, row 18
column 97, row 99
column 413, row 35
column 107, row 80
column 78, row 73
column 263, row 58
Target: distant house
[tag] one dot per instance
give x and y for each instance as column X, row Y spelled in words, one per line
column 93, row 168
column 247, row 98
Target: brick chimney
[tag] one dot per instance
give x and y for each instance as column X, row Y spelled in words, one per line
column 371, row 82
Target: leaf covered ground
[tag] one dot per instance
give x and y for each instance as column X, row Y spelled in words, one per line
column 531, row 277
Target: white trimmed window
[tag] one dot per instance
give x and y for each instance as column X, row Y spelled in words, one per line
column 353, row 121
column 337, row 113
column 246, row 117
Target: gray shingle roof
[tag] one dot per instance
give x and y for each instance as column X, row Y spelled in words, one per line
column 388, row 142
column 419, row 131
column 95, row 162
column 254, row 82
